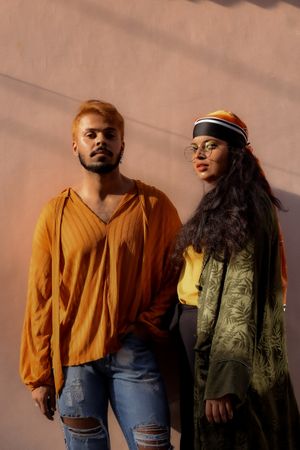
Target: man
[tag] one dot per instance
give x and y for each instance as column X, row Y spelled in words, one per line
column 98, row 288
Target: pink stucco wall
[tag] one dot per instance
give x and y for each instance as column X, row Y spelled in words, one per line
column 163, row 63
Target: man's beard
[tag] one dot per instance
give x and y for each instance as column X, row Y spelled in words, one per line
column 100, row 168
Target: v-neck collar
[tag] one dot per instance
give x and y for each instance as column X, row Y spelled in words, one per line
column 124, row 199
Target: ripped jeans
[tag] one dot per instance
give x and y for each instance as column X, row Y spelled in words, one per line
column 130, row 380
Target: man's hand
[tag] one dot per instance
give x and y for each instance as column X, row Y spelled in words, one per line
column 141, row 332
column 44, row 398
column 219, row 410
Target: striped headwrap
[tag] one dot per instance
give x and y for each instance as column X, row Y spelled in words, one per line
column 222, row 125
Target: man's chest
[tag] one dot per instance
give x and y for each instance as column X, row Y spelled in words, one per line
column 85, row 231
column 106, row 208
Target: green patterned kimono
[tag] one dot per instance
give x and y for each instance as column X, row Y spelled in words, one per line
column 241, row 349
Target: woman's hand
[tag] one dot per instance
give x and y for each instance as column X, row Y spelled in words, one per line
column 219, row 410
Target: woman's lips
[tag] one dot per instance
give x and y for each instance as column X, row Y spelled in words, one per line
column 201, row 167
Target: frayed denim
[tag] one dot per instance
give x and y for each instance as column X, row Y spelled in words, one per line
column 130, row 380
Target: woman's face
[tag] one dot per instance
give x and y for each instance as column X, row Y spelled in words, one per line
column 210, row 159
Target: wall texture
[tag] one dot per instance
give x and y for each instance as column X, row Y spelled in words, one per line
column 163, row 63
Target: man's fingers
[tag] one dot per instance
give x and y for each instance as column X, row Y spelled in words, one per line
column 43, row 407
column 48, row 412
column 44, row 398
column 50, row 406
column 47, row 409
column 52, row 401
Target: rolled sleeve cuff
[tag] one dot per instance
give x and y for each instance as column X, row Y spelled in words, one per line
column 227, row 377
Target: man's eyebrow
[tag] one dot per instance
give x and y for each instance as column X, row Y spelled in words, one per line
column 101, row 129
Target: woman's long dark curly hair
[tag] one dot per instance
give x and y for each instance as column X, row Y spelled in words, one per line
column 231, row 212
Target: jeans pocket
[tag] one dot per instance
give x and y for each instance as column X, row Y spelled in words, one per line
column 135, row 340
column 135, row 354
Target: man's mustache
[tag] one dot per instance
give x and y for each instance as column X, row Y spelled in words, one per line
column 101, row 149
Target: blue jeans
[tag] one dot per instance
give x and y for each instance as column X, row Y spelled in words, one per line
column 130, row 380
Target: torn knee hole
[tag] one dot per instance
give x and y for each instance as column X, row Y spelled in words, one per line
column 150, row 429
column 152, row 436
column 83, row 424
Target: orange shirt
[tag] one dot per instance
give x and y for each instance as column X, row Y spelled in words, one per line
column 109, row 277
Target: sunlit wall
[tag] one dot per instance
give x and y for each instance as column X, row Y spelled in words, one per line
column 163, row 63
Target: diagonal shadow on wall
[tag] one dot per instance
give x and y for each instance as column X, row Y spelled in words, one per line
column 47, row 97
column 267, row 4
column 173, row 42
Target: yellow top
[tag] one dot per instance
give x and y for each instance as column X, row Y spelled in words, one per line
column 187, row 290
column 106, row 278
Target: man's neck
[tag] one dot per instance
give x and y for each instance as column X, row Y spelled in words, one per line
column 100, row 186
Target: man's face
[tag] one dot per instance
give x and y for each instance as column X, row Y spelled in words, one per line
column 98, row 144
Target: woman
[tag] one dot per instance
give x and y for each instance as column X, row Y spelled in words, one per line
column 231, row 292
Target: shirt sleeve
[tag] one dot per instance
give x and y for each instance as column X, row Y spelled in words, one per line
column 241, row 298
column 35, row 357
column 231, row 356
column 250, row 283
column 164, row 224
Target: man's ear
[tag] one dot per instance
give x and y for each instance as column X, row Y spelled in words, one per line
column 75, row 147
column 122, row 151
